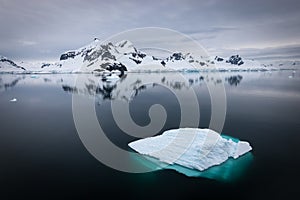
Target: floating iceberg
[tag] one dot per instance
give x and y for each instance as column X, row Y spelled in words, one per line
column 191, row 148
column 229, row 171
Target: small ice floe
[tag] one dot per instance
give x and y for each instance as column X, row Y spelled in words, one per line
column 13, row 100
column 290, row 76
column 34, row 76
column 191, row 148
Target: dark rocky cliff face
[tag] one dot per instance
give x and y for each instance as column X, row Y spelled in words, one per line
column 65, row 56
column 235, row 60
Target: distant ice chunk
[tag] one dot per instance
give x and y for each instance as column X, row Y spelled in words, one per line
column 13, row 100
column 191, row 147
column 34, row 76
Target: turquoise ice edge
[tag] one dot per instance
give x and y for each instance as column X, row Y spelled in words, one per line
column 229, row 171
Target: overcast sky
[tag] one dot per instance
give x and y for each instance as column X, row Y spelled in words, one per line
column 43, row 29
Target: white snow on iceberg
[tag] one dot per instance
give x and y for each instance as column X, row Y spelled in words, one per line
column 191, row 147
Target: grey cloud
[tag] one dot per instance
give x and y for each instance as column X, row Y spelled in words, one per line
column 43, row 29
column 291, row 52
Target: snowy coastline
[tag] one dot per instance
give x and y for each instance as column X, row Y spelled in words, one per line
column 100, row 58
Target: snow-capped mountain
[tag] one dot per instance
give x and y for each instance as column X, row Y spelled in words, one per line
column 179, row 60
column 6, row 65
column 233, row 60
column 237, row 62
column 123, row 56
column 99, row 57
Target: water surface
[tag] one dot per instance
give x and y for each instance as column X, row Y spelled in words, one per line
column 42, row 155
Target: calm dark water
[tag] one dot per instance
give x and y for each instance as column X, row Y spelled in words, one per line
column 43, row 157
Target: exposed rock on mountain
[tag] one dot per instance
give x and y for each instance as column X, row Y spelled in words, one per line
column 6, row 65
column 235, row 60
column 98, row 57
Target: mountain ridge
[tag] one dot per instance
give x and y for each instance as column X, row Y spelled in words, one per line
column 124, row 56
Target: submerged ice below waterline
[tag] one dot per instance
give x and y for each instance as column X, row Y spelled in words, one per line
column 188, row 149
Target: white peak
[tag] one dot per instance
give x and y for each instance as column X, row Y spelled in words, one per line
column 91, row 45
column 125, row 46
column 124, row 43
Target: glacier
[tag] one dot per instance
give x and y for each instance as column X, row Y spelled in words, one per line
column 190, row 148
